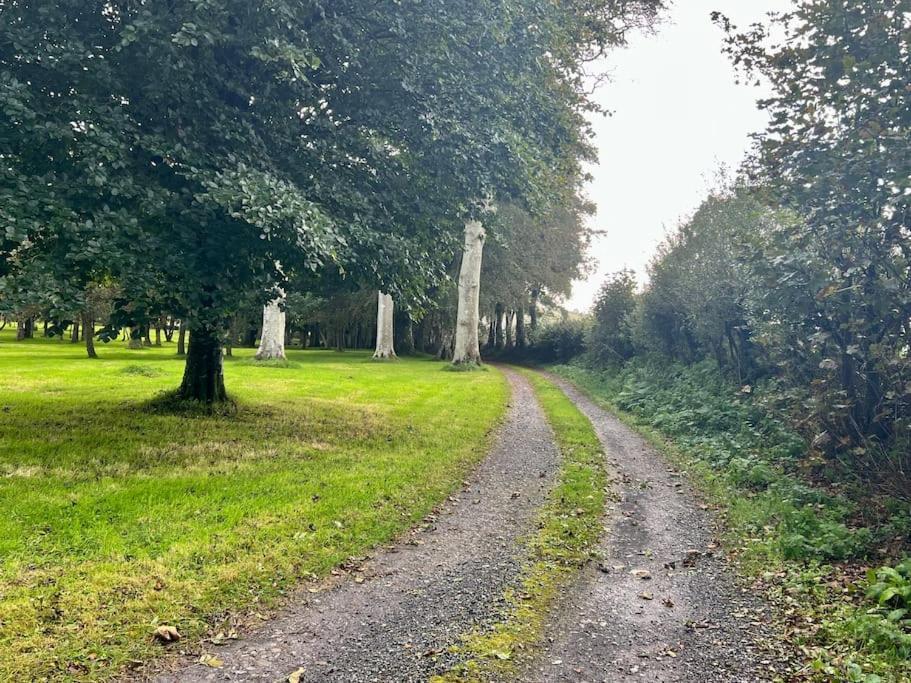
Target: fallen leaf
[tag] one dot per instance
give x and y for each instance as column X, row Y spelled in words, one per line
column 211, row 661
column 645, row 595
column 167, row 634
column 295, row 676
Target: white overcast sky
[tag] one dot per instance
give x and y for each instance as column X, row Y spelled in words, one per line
column 678, row 115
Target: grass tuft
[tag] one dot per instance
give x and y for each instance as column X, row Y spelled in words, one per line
column 141, row 370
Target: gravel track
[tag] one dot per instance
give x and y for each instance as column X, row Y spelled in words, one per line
column 414, row 599
column 662, row 605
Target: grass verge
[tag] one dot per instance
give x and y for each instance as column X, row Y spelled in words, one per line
column 118, row 518
column 569, row 526
column 810, row 548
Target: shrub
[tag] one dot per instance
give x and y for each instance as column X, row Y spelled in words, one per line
column 610, row 340
column 561, row 342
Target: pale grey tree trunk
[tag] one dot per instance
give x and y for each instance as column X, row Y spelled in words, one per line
column 272, row 341
column 467, row 349
column 385, row 330
column 135, row 337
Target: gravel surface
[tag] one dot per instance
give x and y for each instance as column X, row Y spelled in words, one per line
column 394, row 622
column 662, row 605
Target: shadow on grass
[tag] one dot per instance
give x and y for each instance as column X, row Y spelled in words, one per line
column 171, row 403
column 118, row 437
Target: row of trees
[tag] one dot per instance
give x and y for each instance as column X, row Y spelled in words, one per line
column 799, row 274
column 196, row 156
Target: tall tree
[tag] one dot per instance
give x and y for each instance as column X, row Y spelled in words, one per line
column 838, row 154
column 385, row 328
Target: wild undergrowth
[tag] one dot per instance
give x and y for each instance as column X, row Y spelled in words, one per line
column 822, row 550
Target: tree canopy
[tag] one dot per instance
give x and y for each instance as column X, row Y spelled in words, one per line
column 195, row 152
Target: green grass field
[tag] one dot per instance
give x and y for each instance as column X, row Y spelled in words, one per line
column 117, row 519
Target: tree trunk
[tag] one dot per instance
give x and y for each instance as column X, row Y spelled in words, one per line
column 444, row 351
column 158, row 332
column 467, row 349
column 509, row 337
column 147, row 334
column 498, row 327
column 182, row 339
column 385, row 328
column 135, row 337
column 169, row 330
column 533, row 309
column 272, row 343
column 26, row 328
column 521, row 337
column 74, row 338
column 88, row 334
column 203, row 376
column 406, row 335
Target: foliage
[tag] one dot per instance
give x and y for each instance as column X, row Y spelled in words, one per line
column 542, row 253
column 610, row 339
column 800, row 271
column 118, row 518
column 837, row 292
column 700, row 286
column 561, row 341
column 890, row 588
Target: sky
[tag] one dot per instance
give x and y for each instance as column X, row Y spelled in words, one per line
column 678, row 116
